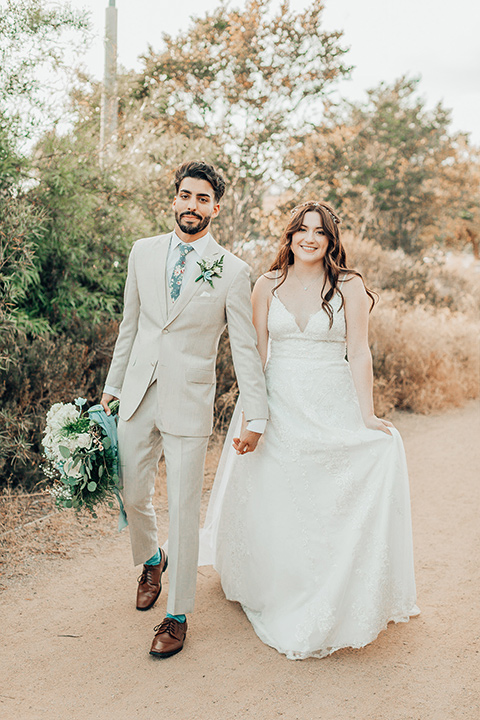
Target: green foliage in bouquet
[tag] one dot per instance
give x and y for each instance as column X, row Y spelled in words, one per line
column 81, row 458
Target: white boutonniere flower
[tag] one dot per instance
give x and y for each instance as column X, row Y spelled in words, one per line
column 210, row 269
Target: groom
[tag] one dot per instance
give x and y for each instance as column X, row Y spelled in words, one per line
column 182, row 290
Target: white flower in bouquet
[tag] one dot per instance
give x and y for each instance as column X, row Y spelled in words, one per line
column 58, row 417
column 71, row 468
column 84, row 440
column 61, row 414
column 61, row 493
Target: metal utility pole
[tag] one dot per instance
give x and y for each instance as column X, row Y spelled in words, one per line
column 109, row 108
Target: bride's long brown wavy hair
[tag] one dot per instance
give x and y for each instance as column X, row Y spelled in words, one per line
column 335, row 260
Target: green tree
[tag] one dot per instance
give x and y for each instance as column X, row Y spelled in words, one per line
column 80, row 256
column 60, row 285
column 20, row 226
column 35, row 364
column 35, row 38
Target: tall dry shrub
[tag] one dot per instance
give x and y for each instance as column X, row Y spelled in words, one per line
column 46, row 370
column 429, row 280
column 424, row 359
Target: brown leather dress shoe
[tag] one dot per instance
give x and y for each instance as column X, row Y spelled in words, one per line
column 169, row 638
column 150, row 583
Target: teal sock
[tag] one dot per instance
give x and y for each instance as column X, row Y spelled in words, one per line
column 155, row 559
column 179, row 618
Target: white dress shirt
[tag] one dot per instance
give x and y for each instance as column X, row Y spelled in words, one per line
column 191, row 259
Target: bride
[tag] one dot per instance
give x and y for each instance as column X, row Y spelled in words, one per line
column 312, row 532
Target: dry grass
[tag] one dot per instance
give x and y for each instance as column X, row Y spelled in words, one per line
column 31, row 527
column 424, row 359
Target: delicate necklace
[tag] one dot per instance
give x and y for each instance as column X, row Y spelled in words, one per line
column 305, row 287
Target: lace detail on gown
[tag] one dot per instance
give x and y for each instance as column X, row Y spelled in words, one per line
column 313, row 536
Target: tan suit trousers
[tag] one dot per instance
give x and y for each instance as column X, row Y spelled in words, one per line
column 141, row 445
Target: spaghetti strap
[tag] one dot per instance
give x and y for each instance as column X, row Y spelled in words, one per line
column 342, row 280
column 274, row 291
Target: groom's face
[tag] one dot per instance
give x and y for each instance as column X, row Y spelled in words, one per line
column 195, row 205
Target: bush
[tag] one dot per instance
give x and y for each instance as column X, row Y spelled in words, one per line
column 433, row 280
column 45, row 371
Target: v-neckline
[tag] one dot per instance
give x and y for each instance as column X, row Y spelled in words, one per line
column 293, row 316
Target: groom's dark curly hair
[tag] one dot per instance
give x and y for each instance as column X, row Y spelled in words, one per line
column 202, row 171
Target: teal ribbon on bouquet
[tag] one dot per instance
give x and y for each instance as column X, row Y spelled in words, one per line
column 108, row 423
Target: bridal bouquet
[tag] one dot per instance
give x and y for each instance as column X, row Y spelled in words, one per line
column 81, row 455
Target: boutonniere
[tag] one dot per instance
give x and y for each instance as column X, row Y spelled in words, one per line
column 210, row 269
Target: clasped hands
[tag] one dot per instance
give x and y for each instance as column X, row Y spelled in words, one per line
column 247, row 442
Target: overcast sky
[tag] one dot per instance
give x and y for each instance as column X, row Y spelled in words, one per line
column 436, row 39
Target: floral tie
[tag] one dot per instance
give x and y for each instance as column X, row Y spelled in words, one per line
column 178, row 271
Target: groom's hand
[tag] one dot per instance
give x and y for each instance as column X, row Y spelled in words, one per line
column 247, row 442
column 106, row 398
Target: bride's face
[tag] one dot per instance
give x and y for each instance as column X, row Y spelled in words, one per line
column 309, row 243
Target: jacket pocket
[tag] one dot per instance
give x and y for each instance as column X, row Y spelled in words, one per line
column 195, row 375
column 204, row 299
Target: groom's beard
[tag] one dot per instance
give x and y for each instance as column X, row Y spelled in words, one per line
column 192, row 228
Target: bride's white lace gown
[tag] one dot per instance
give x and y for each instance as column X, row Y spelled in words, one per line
column 312, row 531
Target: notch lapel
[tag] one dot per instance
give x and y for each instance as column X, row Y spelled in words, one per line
column 160, row 272
column 213, row 250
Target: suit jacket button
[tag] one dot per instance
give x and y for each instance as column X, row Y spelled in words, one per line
column 165, row 330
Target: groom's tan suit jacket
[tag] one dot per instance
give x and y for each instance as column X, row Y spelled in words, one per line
column 176, row 344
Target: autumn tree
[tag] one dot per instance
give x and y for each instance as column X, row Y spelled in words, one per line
column 460, row 198
column 380, row 163
column 233, row 88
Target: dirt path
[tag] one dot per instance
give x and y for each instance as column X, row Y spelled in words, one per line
column 73, row 646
